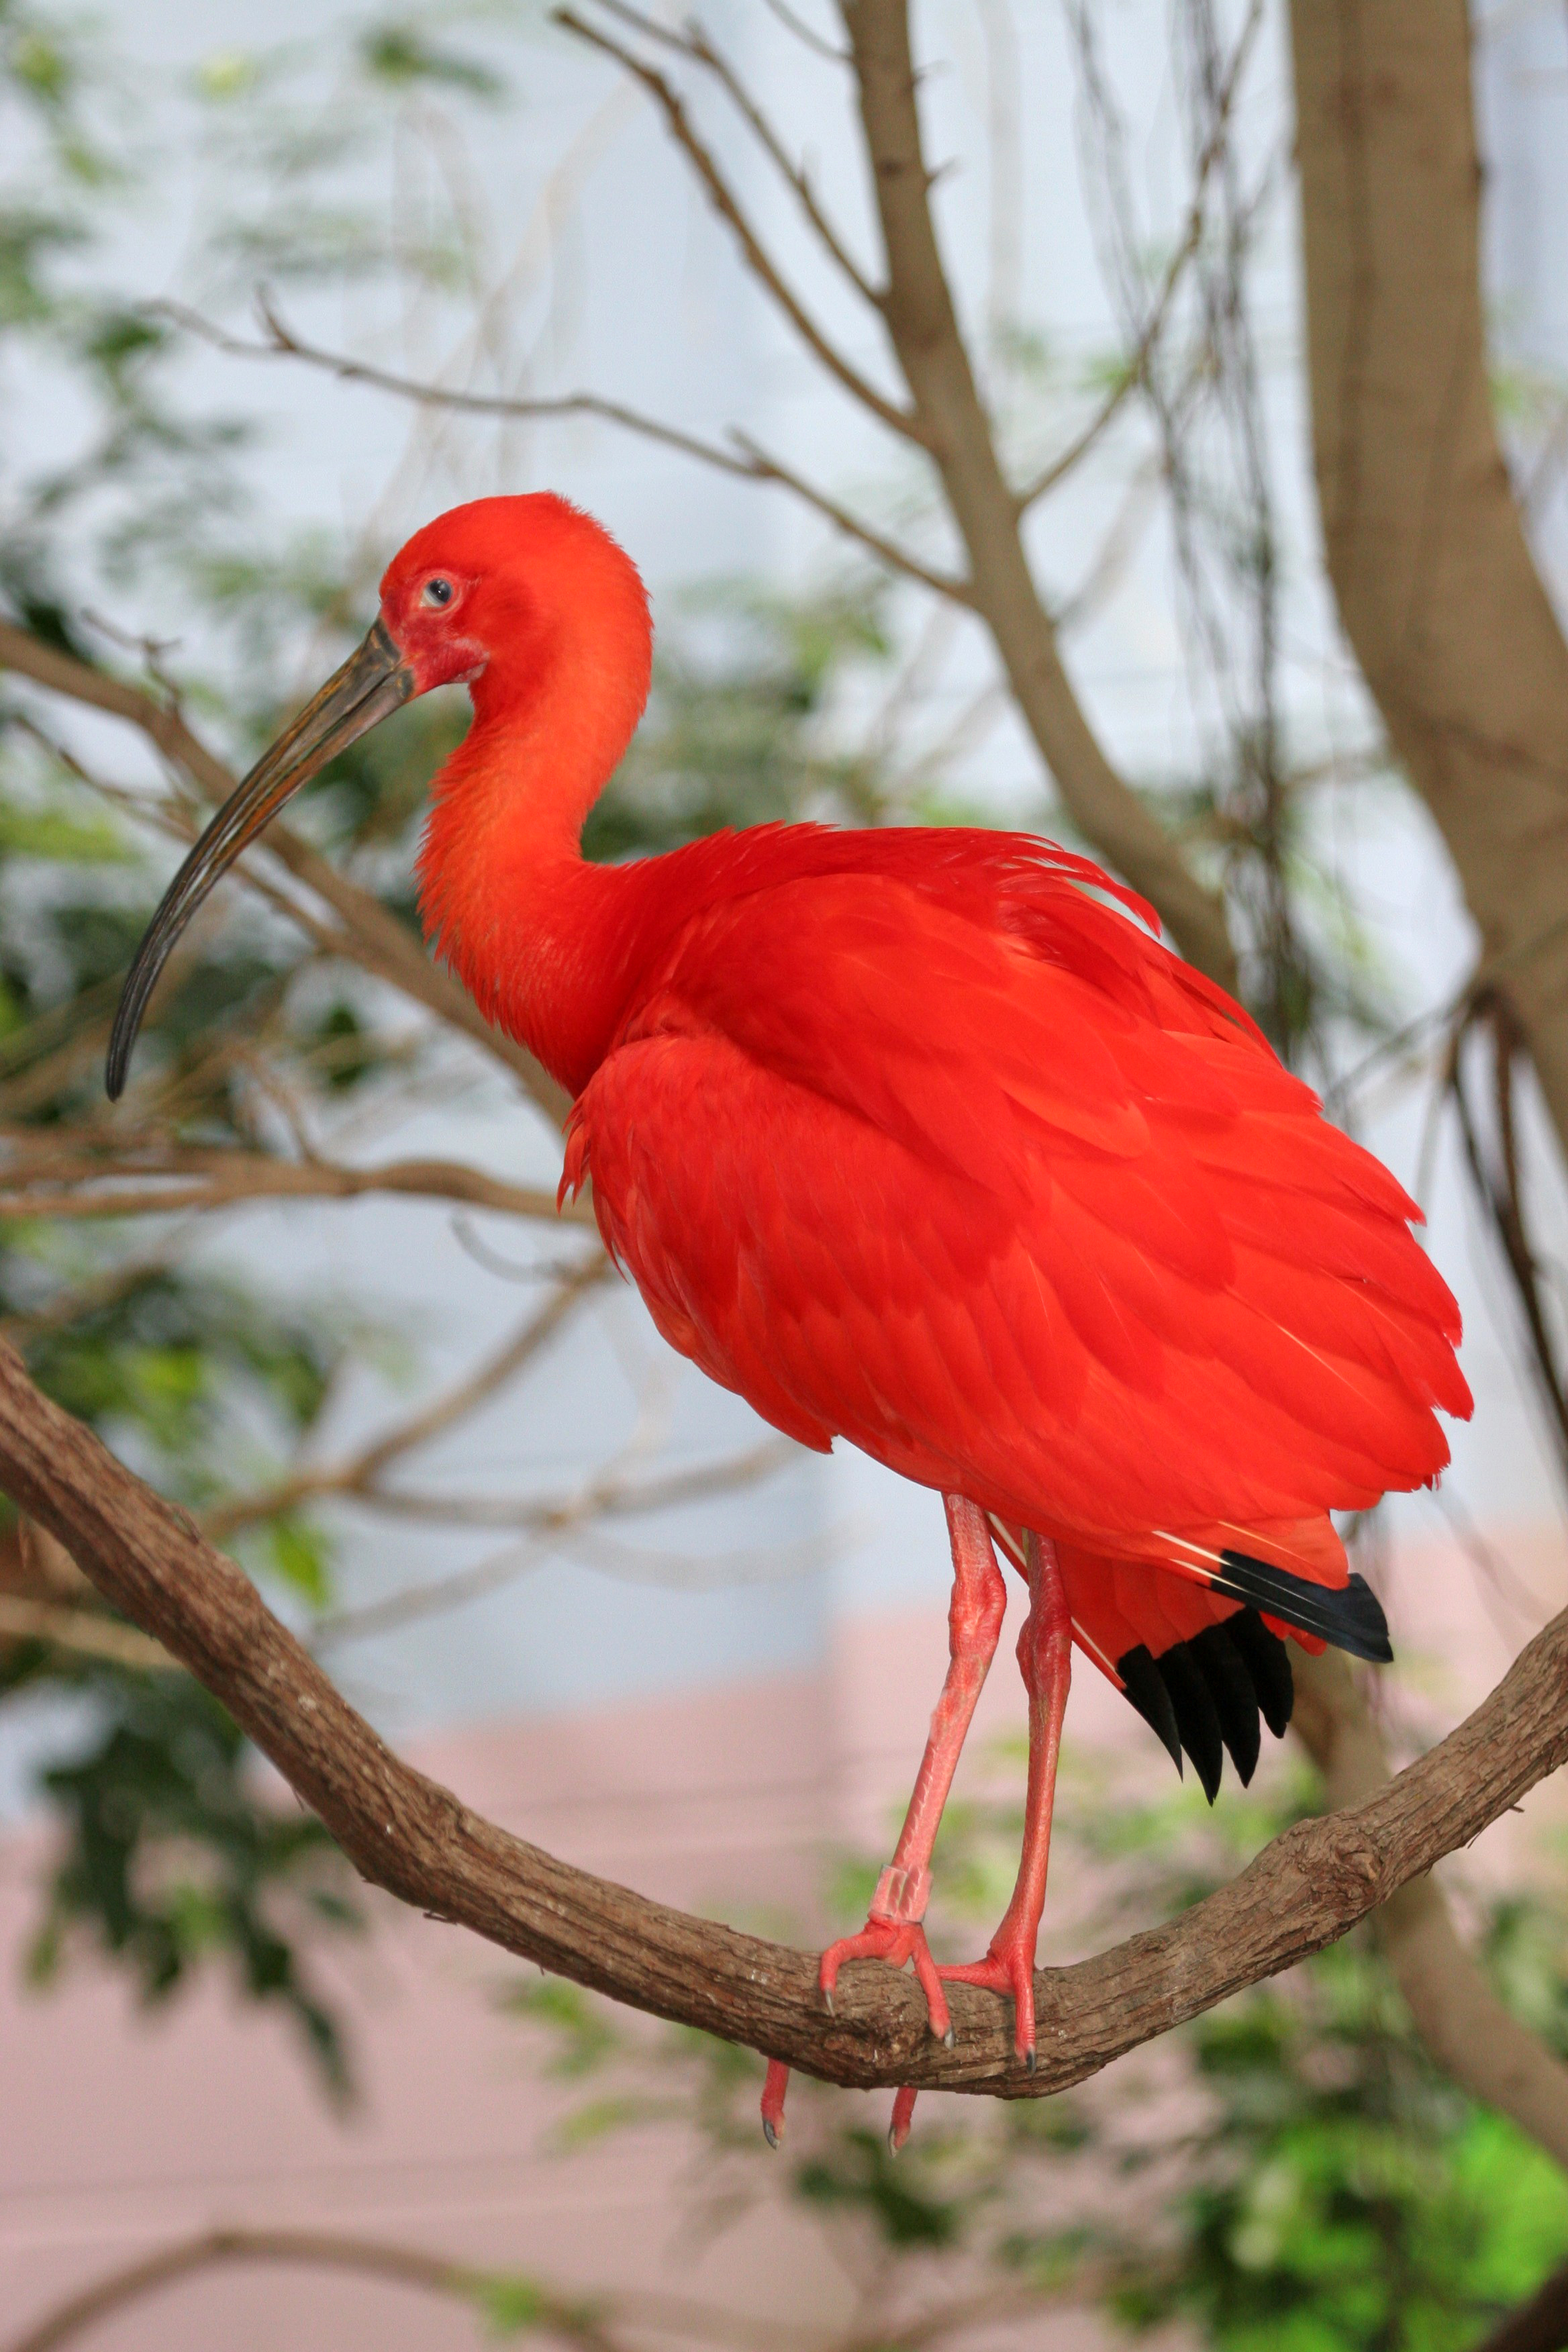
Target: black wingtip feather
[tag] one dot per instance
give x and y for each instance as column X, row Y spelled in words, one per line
column 1349, row 1616
column 1145, row 1687
column 1196, row 1720
column 1205, row 1695
column 1234, row 1699
column 1267, row 1661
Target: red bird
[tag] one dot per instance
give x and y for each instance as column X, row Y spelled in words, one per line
column 910, row 1136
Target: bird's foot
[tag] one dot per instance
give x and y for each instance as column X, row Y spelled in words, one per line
column 893, row 1932
column 1008, row 1969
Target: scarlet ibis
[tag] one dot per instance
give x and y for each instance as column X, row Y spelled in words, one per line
column 920, row 1137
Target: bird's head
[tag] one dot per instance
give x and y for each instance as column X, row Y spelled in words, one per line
column 517, row 598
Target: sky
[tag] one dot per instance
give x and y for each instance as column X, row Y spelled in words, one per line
column 619, row 279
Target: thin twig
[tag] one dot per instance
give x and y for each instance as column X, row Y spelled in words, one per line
column 743, row 459
column 607, row 1495
column 803, row 32
column 85, row 1631
column 359, row 1475
column 695, row 43
column 1136, row 367
column 573, row 2323
column 58, row 1185
column 904, row 421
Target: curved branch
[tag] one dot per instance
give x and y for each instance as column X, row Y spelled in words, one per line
column 1477, row 2043
column 318, row 2249
column 178, row 1183
column 406, row 1834
column 694, row 45
column 551, row 2313
column 905, row 421
column 744, row 460
column 922, row 322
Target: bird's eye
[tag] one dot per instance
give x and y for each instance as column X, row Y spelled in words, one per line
column 437, row 592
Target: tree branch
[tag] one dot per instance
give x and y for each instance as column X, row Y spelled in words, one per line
column 407, row 1834
column 903, row 421
column 1465, row 2027
column 372, row 936
column 1137, row 363
column 582, row 2323
column 573, row 2323
column 923, row 325
column 1432, row 570
column 695, row 46
column 744, row 461
column 85, row 1631
column 57, row 1185
column 359, row 1475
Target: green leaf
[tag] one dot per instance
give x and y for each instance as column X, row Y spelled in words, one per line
column 302, row 1554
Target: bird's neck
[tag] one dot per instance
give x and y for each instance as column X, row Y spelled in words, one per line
column 536, row 934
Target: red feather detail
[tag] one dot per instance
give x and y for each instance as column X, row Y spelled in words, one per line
column 910, row 1140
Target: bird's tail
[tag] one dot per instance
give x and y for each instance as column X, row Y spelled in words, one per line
column 1192, row 1625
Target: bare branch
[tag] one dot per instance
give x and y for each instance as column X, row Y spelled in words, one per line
column 543, row 1524
column 764, row 468
column 575, row 2323
column 923, row 325
column 903, row 421
column 57, row 1184
column 743, row 459
column 1136, row 367
column 359, row 1475
column 695, row 45
column 405, row 1834
column 1464, row 2025
column 571, row 2323
column 88, row 1631
column 803, row 32
column 371, row 936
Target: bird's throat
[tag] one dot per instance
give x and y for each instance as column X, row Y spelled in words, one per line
column 537, row 935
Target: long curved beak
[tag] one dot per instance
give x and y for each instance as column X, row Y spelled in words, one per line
column 370, row 686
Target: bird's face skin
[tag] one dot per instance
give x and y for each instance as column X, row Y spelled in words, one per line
column 484, row 596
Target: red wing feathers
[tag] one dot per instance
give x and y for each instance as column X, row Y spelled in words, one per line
column 998, row 1190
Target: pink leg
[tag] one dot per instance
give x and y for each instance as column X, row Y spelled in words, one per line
column 1045, row 1655
column 893, row 1931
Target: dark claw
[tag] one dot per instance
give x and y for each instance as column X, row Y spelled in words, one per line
column 827, row 1993
column 1029, row 2059
column 894, row 2144
column 769, row 2134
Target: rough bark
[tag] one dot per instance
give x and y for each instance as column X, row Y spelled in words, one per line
column 405, row 1833
column 1426, row 546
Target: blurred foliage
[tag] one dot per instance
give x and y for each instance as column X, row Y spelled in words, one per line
column 1285, row 2174
column 167, row 1859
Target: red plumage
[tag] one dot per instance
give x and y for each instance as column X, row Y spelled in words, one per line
column 910, row 1139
